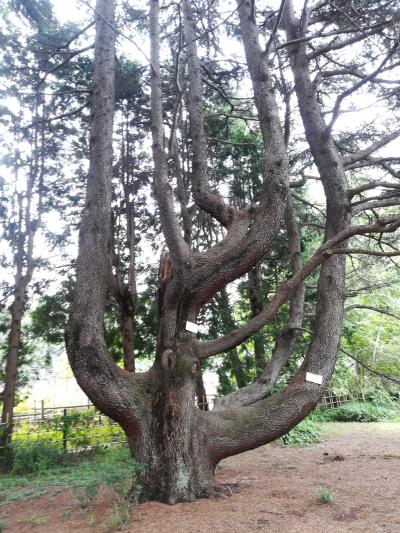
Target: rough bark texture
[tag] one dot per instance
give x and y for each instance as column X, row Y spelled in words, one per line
column 287, row 339
column 104, row 383
column 14, row 340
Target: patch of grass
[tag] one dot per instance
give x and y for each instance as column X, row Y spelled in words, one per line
column 34, row 520
column 121, row 516
column 305, row 433
column 2, row 528
column 66, row 513
column 324, row 495
column 30, row 492
column 85, row 474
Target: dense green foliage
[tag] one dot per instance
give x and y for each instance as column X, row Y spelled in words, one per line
column 306, row 433
column 359, row 412
column 36, row 457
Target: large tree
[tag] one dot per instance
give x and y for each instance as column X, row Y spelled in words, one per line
column 179, row 444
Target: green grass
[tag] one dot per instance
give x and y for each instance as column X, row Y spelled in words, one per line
column 324, row 496
column 83, row 474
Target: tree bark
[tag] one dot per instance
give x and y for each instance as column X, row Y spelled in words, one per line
column 285, row 343
column 128, row 335
column 14, row 341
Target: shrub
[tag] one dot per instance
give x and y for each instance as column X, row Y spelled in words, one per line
column 324, row 496
column 362, row 412
column 305, row 433
column 36, row 457
column 357, row 412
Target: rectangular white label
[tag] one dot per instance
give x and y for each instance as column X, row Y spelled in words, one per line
column 314, row 378
column 191, row 326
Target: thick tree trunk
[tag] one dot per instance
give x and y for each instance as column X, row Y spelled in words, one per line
column 179, row 466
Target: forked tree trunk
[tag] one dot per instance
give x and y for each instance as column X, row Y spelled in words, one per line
column 178, row 444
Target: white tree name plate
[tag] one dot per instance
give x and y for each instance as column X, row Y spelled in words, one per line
column 191, row 326
column 314, row 378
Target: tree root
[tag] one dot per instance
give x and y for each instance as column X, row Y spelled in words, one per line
column 221, row 490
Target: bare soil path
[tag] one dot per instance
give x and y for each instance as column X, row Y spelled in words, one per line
column 358, row 463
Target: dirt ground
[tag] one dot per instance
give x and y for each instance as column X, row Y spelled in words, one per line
column 358, row 463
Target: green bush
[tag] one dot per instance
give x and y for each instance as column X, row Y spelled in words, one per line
column 35, row 457
column 305, row 433
column 357, row 412
column 324, row 496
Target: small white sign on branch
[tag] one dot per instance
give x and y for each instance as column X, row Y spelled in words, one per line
column 314, row 378
column 192, row 327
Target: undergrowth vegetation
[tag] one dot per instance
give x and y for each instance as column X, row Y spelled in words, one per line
column 359, row 412
column 305, row 433
column 84, row 474
column 310, row 429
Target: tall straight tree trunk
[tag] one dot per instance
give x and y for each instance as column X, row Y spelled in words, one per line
column 24, row 266
column 128, row 336
column 256, row 305
column 14, row 341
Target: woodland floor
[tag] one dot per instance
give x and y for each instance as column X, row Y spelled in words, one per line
column 358, row 463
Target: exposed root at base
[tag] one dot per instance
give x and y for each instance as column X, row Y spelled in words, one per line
column 221, row 490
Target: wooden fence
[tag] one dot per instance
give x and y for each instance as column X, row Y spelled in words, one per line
column 75, row 428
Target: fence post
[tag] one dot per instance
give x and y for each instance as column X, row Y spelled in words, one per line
column 64, row 431
column 42, row 409
column 8, row 430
